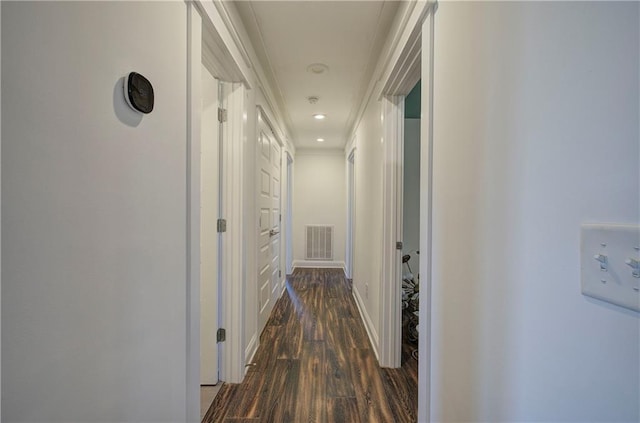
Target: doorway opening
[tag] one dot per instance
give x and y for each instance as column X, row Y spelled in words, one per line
column 411, row 229
column 351, row 189
column 289, row 218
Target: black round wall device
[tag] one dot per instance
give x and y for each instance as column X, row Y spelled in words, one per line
column 138, row 92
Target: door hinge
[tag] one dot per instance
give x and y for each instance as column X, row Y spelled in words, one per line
column 399, row 245
column 279, row 273
column 280, row 218
column 221, row 335
column 222, row 115
column 222, row 225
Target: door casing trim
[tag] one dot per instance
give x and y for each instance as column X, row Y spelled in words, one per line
column 411, row 60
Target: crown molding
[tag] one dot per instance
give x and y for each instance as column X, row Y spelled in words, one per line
column 405, row 32
column 230, row 17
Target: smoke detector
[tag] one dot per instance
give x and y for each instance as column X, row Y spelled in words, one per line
column 313, row 99
column 317, row 68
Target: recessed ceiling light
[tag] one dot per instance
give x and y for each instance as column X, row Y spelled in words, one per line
column 320, row 140
column 319, row 116
column 317, row 68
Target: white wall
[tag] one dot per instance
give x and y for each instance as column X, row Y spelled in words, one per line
column 319, row 198
column 367, row 257
column 0, row 215
column 411, row 194
column 536, row 131
column 93, row 213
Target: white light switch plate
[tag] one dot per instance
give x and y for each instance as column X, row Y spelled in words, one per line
column 616, row 284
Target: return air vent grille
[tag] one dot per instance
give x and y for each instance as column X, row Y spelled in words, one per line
column 319, row 242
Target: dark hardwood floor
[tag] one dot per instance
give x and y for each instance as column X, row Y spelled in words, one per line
column 315, row 364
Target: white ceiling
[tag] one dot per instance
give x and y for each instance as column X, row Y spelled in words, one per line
column 347, row 36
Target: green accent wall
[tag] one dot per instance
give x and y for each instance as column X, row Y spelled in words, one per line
column 412, row 103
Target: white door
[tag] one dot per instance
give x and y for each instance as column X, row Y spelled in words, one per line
column 269, row 184
column 209, row 212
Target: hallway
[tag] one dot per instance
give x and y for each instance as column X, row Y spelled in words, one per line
column 132, row 240
column 315, row 363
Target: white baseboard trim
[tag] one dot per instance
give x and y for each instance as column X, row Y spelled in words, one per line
column 250, row 351
column 368, row 323
column 319, row 264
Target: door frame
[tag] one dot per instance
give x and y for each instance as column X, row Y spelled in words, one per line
column 405, row 73
column 232, row 241
column 412, row 60
column 426, row 206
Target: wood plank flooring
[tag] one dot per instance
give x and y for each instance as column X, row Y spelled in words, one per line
column 315, row 364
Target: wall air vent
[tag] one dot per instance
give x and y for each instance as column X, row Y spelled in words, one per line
column 319, row 241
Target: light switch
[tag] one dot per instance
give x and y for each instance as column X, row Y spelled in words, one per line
column 608, row 259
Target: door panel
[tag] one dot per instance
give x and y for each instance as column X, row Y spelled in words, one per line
column 209, row 197
column 269, row 272
column 276, row 158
